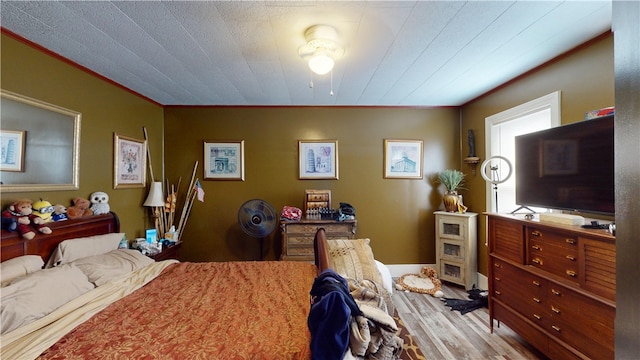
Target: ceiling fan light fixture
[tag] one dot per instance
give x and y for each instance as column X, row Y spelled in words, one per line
column 321, row 63
column 321, row 49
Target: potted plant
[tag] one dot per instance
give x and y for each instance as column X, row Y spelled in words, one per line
column 452, row 180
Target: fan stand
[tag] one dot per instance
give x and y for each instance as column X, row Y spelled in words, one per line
column 256, row 220
column 261, row 240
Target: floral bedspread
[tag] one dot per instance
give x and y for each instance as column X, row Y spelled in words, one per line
column 224, row 310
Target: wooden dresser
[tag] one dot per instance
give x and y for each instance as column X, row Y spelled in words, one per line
column 297, row 236
column 554, row 285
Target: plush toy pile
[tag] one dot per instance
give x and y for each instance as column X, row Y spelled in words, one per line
column 29, row 218
column 27, row 223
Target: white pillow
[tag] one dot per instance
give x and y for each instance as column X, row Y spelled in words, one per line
column 74, row 249
column 19, row 266
column 387, row 281
column 101, row 269
column 34, row 296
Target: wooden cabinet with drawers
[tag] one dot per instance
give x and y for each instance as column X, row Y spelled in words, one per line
column 554, row 285
column 297, row 236
column 456, row 237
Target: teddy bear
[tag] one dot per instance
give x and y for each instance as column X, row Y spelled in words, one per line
column 43, row 209
column 59, row 212
column 22, row 211
column 99, row 203
column 80, row 208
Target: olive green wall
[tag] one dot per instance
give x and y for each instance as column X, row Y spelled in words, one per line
column 105, row 109
column 586, row 81
column 395, row 213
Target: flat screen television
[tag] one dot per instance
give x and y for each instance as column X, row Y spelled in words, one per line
column 568, row 167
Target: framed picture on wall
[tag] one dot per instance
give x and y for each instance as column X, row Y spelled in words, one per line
column 13, row 146
column 129, row 159
column 403, row 159
column 224, row 160
column 318, row 159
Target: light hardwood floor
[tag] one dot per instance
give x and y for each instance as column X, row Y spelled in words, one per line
column 443, row 334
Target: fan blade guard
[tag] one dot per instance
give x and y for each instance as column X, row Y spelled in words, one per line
column 257, row 218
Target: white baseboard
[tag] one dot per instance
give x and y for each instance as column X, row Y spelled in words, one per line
column 483, row 282
column 398, row 270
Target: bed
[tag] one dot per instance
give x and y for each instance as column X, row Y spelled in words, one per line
column 165, row 309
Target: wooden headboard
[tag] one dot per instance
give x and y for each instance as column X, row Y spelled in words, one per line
column 12, row 245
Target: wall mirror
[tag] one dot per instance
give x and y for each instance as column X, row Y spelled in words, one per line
column 40, row 145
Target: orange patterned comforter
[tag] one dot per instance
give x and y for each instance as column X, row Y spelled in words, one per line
column 227, row 310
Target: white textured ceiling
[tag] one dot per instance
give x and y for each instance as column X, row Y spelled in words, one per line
column 397, row 53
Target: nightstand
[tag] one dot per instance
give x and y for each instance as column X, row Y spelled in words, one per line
column 170, row 252
column 456, row 237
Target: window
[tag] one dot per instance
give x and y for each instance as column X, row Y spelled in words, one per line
column 501, row 130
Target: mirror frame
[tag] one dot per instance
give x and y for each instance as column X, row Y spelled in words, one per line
column 73, row 116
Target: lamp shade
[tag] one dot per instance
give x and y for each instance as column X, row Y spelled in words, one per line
column 321, row 63
column 155, row 197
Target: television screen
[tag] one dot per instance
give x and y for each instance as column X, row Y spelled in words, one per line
column 568, row 167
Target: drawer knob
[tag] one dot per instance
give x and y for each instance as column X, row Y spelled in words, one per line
column 555, row 292
column 536, row 299
column 537, row 261
column 556, row 328
column 497, row 279
column 536, row 283
column 570, row 257
column 536, row 233
column 555, row 310
column 571, row 273
column 497, row 265
column 536, row 247
column 537, row 316
column 570, row 241
column 497, row 292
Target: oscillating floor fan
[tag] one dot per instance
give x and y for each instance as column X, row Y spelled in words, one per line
column 257, row 218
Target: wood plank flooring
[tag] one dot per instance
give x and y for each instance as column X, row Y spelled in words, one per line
column 443, row 334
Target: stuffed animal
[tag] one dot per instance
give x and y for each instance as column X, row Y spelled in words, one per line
column 79, row 208
column 43, row 209
column 9, row 223
column 22, row 211
column 59, row 212
column 99, row 203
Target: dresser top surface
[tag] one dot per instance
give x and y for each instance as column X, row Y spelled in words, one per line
column 312, row 220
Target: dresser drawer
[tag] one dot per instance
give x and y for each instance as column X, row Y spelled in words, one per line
column 300, row 251
column 521, row 290
column 310, row 229
column 581, row 321
column 554, row 252
column 297, row 240
column 579, row 308
column 506, row 239
column 532, row 334
column 452, row 250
